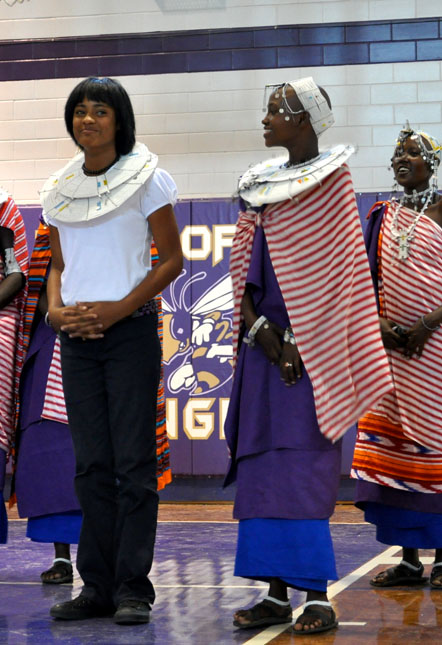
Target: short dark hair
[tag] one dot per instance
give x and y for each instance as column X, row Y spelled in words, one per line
column 111, row 92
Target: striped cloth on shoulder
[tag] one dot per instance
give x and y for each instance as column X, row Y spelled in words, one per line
column 412, row 289
column 399, row 441
column 11, row 327
column 318, row 254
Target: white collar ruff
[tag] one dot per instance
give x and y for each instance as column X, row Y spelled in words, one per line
column 273, row 181
column 71, row 196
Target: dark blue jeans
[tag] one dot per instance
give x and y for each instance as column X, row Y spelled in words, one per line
column 110, row 386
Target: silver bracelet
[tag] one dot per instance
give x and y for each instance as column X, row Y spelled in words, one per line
column 426, row 326
column 47, row 321
column 259, row 322
column 289, row 336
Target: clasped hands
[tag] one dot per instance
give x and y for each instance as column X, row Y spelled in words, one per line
column 279, row 353
column 406, row 341
column 86, row 320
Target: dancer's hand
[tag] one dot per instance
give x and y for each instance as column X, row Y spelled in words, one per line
column 290, row 364
column 418, row 335
column 393, row 335
column 76, row 321
column 106, row 313
column 269, row 336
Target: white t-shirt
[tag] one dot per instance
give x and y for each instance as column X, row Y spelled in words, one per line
column 107, row 257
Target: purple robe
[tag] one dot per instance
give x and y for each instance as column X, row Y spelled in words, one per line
column 284, row 467
column 44, row 480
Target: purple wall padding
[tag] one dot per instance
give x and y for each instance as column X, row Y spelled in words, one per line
column 197, row 335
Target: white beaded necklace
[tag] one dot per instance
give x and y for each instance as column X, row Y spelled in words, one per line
column 404, row 236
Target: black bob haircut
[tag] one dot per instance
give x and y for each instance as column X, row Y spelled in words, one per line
column 110, row 92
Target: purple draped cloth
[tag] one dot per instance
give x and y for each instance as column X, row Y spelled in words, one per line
column 284, row 467
column 44, row 480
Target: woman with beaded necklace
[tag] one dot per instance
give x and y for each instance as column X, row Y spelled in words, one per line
column 398, row 455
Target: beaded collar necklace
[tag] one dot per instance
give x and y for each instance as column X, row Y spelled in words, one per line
column 95, row 173
column 404, row 236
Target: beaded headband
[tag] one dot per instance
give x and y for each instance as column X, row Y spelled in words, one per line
column 312, row 101
column 431, row 154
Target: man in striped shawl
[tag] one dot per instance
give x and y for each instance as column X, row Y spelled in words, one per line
column 310, row 357
column 13, row 271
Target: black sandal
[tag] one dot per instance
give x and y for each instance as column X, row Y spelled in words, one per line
column 401, row 574
column 317, row 610
column 63, row 570
column 264, row 613
column 434, row 575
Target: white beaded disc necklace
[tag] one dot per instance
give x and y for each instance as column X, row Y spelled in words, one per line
column 404, row 236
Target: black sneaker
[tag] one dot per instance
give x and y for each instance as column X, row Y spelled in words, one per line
column 130, row 612
column 79, row 608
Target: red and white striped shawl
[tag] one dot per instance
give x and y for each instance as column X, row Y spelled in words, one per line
column 54, row 406
column 411, row 289
column 318, row 254
column 11, row 352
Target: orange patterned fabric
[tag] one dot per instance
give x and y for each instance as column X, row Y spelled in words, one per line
column 164, row 472
column 384, row 455
column 11, row 327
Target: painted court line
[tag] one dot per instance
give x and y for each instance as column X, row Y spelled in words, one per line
column 209, row 586
column 426, row 559
column 275, row 630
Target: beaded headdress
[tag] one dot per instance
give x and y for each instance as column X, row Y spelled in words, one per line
column 312, row 101
column 431, row 154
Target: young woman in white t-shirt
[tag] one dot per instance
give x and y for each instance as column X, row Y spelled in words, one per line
column 104, row 207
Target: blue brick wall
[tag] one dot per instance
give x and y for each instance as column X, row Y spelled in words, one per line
column 224, row 49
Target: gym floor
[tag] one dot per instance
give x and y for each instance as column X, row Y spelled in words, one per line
column 197, row 592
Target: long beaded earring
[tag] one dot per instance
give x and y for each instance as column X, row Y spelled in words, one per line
column 434, row 181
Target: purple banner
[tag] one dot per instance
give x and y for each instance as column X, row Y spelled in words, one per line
column 197, row 336
column 198, row 339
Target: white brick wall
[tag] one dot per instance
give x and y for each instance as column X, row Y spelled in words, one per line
column 55, row 18
column 345, row 10
column 394, row 9
column 406, row 72
column 209, row 131
column 206, row 127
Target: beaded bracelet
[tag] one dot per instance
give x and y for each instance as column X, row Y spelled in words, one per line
column 259, row 322
column 426, row 326
column 289, row 336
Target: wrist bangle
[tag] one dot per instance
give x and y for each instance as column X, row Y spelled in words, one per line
column 47, row 321
column 426, row 326
column 289, row 336
column 259, row 322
